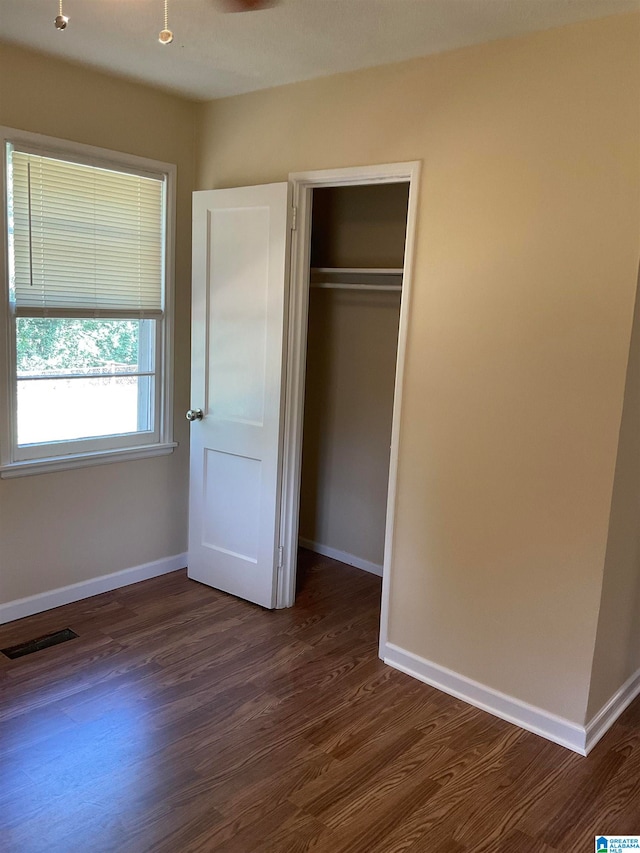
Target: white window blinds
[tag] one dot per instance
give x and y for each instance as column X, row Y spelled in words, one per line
column 87, row 241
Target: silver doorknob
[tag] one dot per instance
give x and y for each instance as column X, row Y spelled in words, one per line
column 194, row 415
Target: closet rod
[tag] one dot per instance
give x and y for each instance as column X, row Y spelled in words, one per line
column 339, row 285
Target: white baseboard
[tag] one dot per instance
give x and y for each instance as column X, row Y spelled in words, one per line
column 529, row 717
column 341, row 556
column 609, row 713
column 84, row 589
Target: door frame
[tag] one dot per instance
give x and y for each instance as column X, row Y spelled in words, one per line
column 303, row 183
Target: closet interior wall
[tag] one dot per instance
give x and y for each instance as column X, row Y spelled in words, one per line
column 350, row 374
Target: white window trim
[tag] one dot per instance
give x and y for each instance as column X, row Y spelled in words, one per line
column 9, row 466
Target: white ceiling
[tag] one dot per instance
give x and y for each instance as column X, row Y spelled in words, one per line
column 215, row 54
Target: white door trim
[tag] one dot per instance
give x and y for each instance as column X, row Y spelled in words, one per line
column 303, row 183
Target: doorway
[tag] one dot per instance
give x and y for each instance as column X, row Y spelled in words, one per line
column 358, row 237
column 332, row 269
column 250, row 309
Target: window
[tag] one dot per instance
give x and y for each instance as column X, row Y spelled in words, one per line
column 86, row 306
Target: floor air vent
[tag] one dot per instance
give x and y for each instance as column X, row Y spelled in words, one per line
column 40, row 643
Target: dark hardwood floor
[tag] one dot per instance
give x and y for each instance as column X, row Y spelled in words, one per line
column 184, row 720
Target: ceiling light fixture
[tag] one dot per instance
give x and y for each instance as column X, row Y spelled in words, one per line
column 61, row 20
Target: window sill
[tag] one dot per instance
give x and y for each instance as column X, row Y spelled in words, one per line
column 84, row 460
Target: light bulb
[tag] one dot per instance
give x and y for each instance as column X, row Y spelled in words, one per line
column 165, row 37
column 61, row 22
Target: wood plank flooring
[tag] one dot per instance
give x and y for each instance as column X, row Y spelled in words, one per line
column 185, row 721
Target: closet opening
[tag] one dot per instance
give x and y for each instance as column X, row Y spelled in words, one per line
column 352, row 254
column 358, row 236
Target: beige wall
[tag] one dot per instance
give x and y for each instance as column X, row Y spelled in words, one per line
column 361, row 226
column 348, row 408
column 351, row 362
column 526, row 261
column 617, row 654
column 61, row 528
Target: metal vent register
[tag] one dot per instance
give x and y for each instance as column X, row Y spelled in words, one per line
column 39, row 643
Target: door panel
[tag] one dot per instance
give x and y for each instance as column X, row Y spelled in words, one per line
column 240, row 255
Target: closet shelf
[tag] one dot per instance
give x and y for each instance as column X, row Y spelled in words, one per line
column 359, row 270
column 357, row 278
column 343, row 285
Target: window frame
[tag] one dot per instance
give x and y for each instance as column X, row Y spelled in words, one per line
column 14, row 460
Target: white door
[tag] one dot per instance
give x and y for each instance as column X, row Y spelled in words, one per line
column 240, row 268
